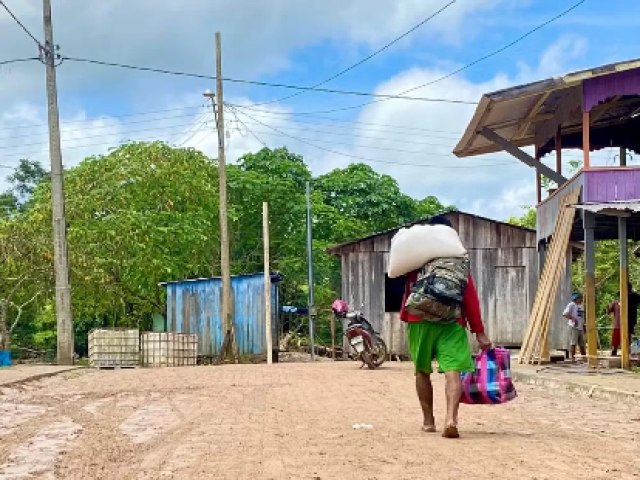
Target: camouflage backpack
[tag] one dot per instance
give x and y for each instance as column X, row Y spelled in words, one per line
column 438, row 293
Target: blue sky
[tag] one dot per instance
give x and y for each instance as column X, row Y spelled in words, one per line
column 304, row 42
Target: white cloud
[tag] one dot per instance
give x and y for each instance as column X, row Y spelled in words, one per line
column 180, row 35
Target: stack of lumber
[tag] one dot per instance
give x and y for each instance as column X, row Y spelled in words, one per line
column 534, row 344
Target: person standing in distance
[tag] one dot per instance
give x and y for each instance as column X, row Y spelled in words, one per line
column 574, row 313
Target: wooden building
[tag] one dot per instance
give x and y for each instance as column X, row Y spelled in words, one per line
column 504, row 264
column 589, row 110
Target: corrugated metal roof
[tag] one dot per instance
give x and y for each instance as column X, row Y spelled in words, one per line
column 613, row 207
column 513, row 111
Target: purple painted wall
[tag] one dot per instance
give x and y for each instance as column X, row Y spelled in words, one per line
column 609, row 185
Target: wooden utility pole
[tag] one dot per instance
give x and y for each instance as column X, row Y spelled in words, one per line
column 312, row 306
column 229, row 343
column 60, row 256
column 267, row 281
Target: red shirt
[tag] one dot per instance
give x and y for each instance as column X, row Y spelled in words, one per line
column 470, row 306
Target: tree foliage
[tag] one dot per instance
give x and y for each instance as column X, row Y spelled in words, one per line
column 147, row 213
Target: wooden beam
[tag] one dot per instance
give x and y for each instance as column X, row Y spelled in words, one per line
column 598, row 112
column 522, row 130
column 524, row 157
column 518, row 122
column 586, row 141
column 539, row 187
column 559, row 150
column 590, row 287
column 624, row 292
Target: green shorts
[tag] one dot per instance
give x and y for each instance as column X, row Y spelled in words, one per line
column 446, row 343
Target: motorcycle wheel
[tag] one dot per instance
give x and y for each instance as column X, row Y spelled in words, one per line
column 367, row 360
column 381, row 353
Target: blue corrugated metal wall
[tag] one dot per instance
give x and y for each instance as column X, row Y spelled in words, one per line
column 193, row 306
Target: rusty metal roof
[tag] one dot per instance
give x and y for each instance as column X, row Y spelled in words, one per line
column 614, row 208
column 515, row 112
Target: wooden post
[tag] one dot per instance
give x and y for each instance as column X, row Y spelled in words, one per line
column 64, row 318
column 590, row 287
column 539, row 187
column 542, row 254
column 559, row 150
column 586, row 142
column 624, row 292
column 333, row 336
column 225, row 262
column 267, row 281
column 623, row 157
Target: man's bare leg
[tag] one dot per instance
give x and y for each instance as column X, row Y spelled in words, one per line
column 425, row 395
column 573, row 353
column 453, row 392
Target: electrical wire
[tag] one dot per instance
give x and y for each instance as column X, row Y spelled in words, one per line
column 337, row 120
column 372, row 137
column 268, row 84
column 235, row 115
column 368, row 57
column 18, row 60
column 461, row 69
column 102, row 135
column 96, row 127
column 104, row 117
column 100, row 144
column 358, row 157
column 17, row 20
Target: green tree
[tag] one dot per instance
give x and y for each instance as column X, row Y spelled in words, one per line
column 143, row 214
column 527, row 220
column 147, row 213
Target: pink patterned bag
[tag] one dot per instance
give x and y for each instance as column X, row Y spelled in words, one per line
column 491, row 382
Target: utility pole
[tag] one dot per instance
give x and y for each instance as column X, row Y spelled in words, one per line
column 267, row 281
column 229, row 342
column 312, row 307
column 60, row 256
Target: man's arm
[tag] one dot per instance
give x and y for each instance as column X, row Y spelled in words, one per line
column 472, row 313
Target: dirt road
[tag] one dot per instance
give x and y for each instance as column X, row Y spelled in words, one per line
column 296, row 421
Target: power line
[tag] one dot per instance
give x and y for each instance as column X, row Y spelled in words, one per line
column 336, row 120
column 498, row 51
column 18, row 60
column 105, row 117
column 374, row 137
column 168, row 127
column 98, row 127
column 100, row 144
column 17, row 20
column 368, row 57
column 235, row 115
column 268, row 84
column 356, row 157
column 458, row 70
column 401, row 130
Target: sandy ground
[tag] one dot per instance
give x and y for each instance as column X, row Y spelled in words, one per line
column 297, row 421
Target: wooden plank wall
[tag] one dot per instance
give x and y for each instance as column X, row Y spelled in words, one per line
column 504, row 264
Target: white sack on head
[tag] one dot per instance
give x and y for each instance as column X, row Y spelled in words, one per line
column 412, row 247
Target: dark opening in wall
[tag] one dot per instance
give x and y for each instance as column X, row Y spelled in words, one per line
column 393, row 293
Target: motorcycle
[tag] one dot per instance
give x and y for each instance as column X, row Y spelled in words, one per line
column 364, row 340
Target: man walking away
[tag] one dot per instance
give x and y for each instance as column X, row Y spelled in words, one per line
column 574, row 313
column 614, row 310
column 446, row 343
